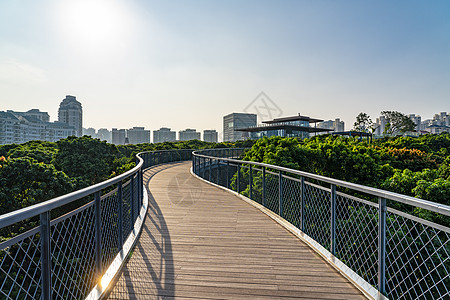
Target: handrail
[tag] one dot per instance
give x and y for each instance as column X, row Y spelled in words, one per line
column 428, row 205
column 383, row 251
column 36, row 209
column 87, row 245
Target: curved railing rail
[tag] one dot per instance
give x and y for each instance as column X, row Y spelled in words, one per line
column 78, row 253
column 384, row 251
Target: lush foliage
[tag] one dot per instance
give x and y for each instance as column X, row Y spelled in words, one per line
column 37, row 171
column 418, row 167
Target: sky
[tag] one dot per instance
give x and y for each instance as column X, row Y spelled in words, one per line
column 186, row 64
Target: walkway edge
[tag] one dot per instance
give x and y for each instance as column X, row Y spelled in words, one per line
column 368, row 290
column 104, row 285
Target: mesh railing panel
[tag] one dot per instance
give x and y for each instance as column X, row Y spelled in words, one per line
column 20, row 269
column 272, row 192
column 72, row 240
column 292, row 201
column 418, row 264
column 110, row 228
column 73, row 255
column 317, row 214
column 357, row 236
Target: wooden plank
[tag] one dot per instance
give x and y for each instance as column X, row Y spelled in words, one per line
column 200, row 242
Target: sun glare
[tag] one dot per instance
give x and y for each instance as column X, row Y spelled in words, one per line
column 94, row 23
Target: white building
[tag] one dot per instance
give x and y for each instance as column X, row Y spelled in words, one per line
column 210, row 136
column 234, row 121
column 71, row 112
column 164, row 134
column 138, row 135
column 21, row 127
column 188, row 134
column 337, row 125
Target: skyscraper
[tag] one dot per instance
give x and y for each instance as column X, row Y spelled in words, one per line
column 71, row 113
column 164, row 134
column 235, row 121
column 210, row 136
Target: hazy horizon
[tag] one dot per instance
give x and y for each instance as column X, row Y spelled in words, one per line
column 186, row 64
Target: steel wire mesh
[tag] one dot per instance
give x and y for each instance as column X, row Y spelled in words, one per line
column 418, row 264
column 73, row 255
column 317, row 214
column 110, row 227
column 292, row 201
column 417, row 251
column 20, row 268
column 357, row 236
column 272, row 192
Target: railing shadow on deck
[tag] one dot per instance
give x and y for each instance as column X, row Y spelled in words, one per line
column 154, row 245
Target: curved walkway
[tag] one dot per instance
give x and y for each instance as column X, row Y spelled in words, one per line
column 199, row 241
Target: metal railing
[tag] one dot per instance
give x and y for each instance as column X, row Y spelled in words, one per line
column 76, row 254
column 384, row 251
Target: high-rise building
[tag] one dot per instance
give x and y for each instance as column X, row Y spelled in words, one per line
column 210, row 136
column 40, row 115
column 90, row 132
column 138, row 135
column 71, row 113
column 164, row 134
column 21, row 127
column 417, row 120
column 380, row 125
column 337, row 125
column 104, row 135
column 118, row 136
column 235, row 121
column 188, row 134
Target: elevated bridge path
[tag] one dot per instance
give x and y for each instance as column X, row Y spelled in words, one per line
column 199, row 241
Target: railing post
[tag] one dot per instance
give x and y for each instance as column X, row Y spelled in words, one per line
column 227, row 174
column 382, row 245
column 238, row 178
column 98, row 235
column 210, row 170
column 302, row 195
column 280, row 193
column 218, row 172
column 264, row 187
column 203, row 167
column 120, row 214
column 132, row 194
column 333, row 219
column 46, row 262
column 250, row 182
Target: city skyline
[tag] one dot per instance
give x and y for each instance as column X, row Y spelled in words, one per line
column 188, row 63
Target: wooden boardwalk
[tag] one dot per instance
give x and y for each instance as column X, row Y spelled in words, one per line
column 199, row 241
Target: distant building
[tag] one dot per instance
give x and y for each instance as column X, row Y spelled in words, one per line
column 138, row 135
column 40, row 115
column 118, row 136
column 380, row 125
column 417, row 120
column 188, row 134
column 71, row 113
column 295, row 126
column 21, row 127
column 90, row 132
column 210, row 136
column 337, row 125
column 164, row 134
column 104, row 135
column 234, row 121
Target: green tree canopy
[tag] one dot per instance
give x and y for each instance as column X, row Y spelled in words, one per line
column 363, row 123
column 87, row 159
column 398, row 122
column 25, row 181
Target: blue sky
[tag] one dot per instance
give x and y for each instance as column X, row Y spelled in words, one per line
column 187, row 63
